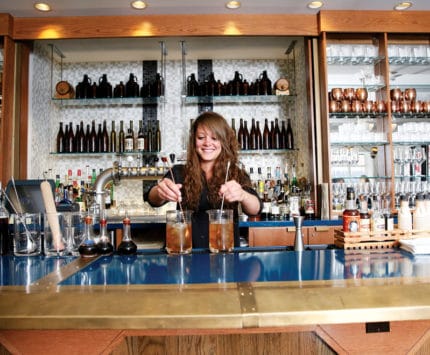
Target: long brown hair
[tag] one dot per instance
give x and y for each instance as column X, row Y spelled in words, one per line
column 195, row 178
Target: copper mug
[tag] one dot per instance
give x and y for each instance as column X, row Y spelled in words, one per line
column 369, row 106
column 346, row 106
column 426, row 107
column 395, row 106
column 410, row 94
column 416, row 106
column 361, row 94
column 395, row 94
column 334, row 106
column 405, row 106
column 337, row 94
column 349, row 94
column 357, row 106
column 380, row 106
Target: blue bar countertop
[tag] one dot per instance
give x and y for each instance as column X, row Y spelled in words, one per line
column 257, row 287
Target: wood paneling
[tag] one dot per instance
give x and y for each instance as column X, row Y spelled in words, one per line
column 168, row 25
column 6, row 25
column 375, row 21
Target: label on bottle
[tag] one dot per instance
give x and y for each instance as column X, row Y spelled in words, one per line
column 140, row 144
column 365, row 224
column 351, row 223
column 128, row 144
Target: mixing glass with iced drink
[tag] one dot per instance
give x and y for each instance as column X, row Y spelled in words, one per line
column 221, row 231
column 178, row 232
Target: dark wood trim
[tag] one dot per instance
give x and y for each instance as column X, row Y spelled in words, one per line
column 166, row 25
column 6, row 25
column 374, row 21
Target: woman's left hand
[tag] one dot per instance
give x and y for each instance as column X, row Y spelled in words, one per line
column 232, row 191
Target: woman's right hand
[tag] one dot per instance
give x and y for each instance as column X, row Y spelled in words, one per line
column 169, row 191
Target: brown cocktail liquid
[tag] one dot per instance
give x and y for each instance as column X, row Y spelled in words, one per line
column 221, row 237
column 178, row 238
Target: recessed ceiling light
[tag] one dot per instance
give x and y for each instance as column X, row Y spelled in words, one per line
column 315, row 4
column 233, row 4
column 42, row 6
column 138, row 5
column 403, row 5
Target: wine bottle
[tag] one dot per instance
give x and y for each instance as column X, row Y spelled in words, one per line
column 277, row 136
column 233, row 126
column 70, row 143
column 157, row 137
column 112, row 142
column 240, row 134
column 149, row 138
column 266, row 135
column 272, row 135
column 99, row 146
column 259, row 137
column 60, row 139
column 289, row 138
column 245, row 136
column 105, row 139
column 140, row 138
column 121, row 138
column 253, row 136
column 129, row 141
column 80, row 139
column 283, row 135
column 92, row 141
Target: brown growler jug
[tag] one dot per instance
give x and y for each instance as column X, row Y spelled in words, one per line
column 265, row 84
column 105, row 88
column 132, row 87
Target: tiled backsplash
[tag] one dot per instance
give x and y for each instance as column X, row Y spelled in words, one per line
column 174, row 115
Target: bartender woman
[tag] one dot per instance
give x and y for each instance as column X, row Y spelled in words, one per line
column 200, row 183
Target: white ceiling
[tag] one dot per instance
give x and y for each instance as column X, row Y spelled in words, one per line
column 24, row 8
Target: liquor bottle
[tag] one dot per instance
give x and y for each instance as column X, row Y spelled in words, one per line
column 277, row 136
column 233, row 126
column 112, row 142
column 105, row 139
column 404, row 217
column 149, row 138
column 245, row 136
column 364, row 215
column 100, row 139
column 377, row 220
column 92, row 141
column 294, row 183
column 121, row 138
column 87, row 138
column 104, row 244
column 70, row 140
column 88, row 247
column 253, row 136
column 259, row 138
column 129, row 141
column 60, row 139
column 266, row 135
column 240, row 134
column 66, row 135
column 157, row 137
column 308, row 203
column 80, row 139
column 272, row 135
column 140, row 138
column 289, row 138
column 283, row 135
column 260, row 184
column 127, row 246
column 350, row 216
column 265, row 212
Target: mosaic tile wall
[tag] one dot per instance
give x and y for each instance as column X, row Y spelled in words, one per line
column 174, row 115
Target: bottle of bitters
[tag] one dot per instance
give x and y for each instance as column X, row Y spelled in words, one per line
column 351, row 215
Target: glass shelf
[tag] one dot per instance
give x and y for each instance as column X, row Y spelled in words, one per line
column 266, row 151
column 341, row 60
column 355, row 115
column 354, row 143
column 114, row 101
column 409, row 60
column 407, row 117
column 368, row 87
column 99, row 154
column 361, row 177
column 411, row 143
column 237, row 99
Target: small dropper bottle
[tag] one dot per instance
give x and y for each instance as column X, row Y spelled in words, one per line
column 88, row 248
column 127, row 246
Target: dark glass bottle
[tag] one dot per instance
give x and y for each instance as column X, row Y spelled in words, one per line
column 104, row 244
column 92, row 141
column 150, row 138
column 157, row 137
column 277, row 136
column 240, row 134
column 127, row 246
column 233, row 126
column 121, row 138
column 259, row 137
column 70, row 139
column 351, row 215
column 88, row 247
column 283, row 135
column 60, row 139
column 87, row 138
column 253, row 136
column 105, row 139
column 112, row 141
column 245, row 136
column 99, row 139
column 80, row 138
column 266, row 135
column 289, row 138
column 272, row 135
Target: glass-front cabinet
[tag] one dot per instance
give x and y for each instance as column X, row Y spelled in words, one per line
column 378, row 89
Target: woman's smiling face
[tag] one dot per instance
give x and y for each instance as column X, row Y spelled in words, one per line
column 208, row 146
